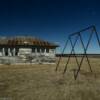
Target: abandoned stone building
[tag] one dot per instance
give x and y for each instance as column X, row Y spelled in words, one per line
column 26, row 50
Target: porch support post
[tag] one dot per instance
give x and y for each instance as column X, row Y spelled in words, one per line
column 3, row 51
column 35, row 50
column 14, row 51
column 40, row 51
column 9, row 52
column 45, row 50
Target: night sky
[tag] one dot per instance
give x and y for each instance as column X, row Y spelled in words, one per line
column 52, row 20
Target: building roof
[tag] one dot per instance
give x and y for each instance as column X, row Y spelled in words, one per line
column 22, row 40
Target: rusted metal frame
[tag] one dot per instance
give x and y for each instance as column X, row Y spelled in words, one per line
column 96, row 35
column 83, row 56
column 74, row 52
column 62, row 54
column 70, row 54
column 67, row 43
column 82, row 30
column 85, row 52
column 74, row 56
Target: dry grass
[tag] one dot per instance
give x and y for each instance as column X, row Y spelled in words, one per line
column 41, row 82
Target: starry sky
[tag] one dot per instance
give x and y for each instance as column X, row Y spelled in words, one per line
column 52, row 20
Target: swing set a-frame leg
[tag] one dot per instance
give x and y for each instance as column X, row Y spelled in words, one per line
column 70, row 54
column 61, row 55
column 85, row 54
column 85, row 50
column 78, row 34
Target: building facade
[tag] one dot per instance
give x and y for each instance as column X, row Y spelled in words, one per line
column 26, row 50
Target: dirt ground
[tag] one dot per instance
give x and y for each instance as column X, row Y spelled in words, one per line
column 41, row 82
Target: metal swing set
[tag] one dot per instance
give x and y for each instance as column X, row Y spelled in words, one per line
column 78, row 35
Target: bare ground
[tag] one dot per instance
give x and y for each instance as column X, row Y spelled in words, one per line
column 41, row 82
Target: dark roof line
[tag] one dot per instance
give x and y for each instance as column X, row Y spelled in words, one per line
column 23, row 40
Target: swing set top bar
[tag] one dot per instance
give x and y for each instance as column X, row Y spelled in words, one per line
column 76, row 33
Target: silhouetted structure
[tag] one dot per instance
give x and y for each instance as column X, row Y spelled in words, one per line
column 78, row 35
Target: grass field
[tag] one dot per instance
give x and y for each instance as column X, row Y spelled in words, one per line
column 41, row 82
